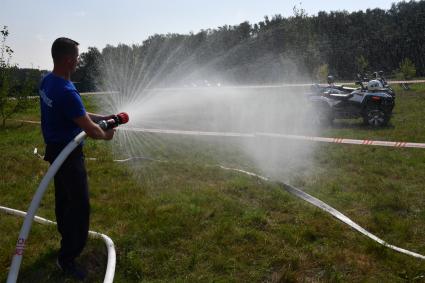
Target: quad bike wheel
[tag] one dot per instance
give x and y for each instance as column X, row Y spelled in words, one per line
column 375, row 117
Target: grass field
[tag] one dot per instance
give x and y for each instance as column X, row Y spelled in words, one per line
column 188, row 222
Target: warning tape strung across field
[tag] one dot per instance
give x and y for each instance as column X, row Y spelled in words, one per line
column 396, row 144
column 349, row 141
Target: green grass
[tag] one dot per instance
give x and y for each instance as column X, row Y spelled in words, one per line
column 188, row 222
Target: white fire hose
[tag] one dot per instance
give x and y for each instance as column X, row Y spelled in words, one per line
column 302, row 195
column 111, row 262
column 35, row 203
column 332, row 211
column 113, row 122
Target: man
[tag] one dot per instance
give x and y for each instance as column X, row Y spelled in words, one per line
column 63, row 116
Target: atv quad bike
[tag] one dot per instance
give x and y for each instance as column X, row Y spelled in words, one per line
column 372, row 101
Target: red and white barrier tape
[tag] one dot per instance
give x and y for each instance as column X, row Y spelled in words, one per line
column 396, row 144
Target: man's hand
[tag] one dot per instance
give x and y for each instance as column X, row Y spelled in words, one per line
column 92, row 129
column 109, row 134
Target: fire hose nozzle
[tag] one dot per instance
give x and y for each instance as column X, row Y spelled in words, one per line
column 117, row 120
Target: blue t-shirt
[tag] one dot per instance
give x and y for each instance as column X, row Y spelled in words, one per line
column 60, row 103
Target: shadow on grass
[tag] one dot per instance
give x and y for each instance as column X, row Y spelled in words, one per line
column 44, row 268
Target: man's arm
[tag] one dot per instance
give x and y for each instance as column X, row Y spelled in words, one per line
column 96, row 117
column 92, row 129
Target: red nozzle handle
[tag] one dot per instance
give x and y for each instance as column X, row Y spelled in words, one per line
column 123, row 118
column 118, row 119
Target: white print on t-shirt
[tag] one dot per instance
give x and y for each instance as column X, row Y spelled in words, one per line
column 45, row 99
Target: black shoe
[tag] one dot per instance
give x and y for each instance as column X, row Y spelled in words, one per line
column 72, row 269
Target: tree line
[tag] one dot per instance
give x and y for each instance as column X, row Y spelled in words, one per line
column 16, row 85
column 338, row 42
column 271, row 51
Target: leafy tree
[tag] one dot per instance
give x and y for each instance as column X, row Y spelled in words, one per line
column 88, row 72
column 276, row 47
column 11, row 101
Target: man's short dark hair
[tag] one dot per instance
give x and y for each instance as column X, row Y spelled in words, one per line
column 62, row 47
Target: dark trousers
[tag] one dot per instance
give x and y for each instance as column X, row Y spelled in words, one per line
column 72, row 206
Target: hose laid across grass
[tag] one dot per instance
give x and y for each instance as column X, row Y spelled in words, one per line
column 35, row 203
column 308, row 198
column 327, row 208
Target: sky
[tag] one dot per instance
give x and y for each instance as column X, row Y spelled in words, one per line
column 34, row 25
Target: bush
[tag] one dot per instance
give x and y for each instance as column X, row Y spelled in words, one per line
column 407, row 70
